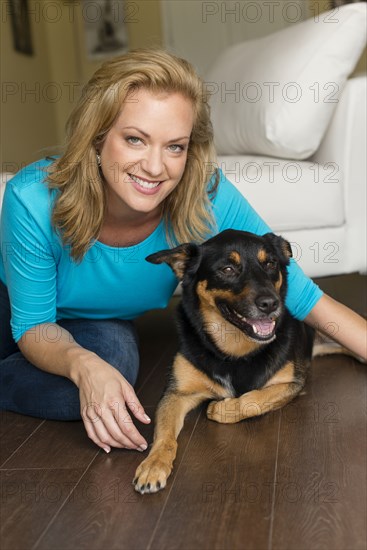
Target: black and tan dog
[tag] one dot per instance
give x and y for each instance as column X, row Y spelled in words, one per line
column 240, row 347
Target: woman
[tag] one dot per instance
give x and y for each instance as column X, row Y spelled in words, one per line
column 136, row 177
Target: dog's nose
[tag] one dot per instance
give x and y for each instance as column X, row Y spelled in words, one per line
column 267, row 304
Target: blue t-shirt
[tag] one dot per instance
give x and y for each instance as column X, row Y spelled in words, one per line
column 46, row 285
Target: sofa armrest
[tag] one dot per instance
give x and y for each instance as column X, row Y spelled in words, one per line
column 4, row 177
column 345, row 145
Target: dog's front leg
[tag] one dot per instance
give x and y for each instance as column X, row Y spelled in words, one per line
column 253, row 403
column 152, row 474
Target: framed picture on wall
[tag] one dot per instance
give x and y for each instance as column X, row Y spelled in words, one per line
column 105, row 28
column 21, row 28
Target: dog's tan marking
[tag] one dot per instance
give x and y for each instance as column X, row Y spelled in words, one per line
column 235, row 257
column 279, row 391
column 243, row 294
column 261, row 255
column 189, row 380
column 227, row 337
column 205, row 296
column 188, row 389
column 285, row 375
column 153, row 472
column 208, row 296
column 279, row 282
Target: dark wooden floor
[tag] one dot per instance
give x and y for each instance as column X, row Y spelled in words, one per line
column 292, row 479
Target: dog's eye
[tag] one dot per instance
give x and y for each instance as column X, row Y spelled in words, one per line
column 271, row 264
column 227, row 270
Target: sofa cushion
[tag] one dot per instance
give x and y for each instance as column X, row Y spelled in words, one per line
column 288, row 195
column 276, row 95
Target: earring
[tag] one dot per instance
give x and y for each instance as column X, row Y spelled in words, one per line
column 98, row 156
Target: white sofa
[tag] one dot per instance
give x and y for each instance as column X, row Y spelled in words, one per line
column 290, row 132
column 318, row 204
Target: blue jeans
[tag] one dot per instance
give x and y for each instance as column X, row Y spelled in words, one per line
column 25, row 389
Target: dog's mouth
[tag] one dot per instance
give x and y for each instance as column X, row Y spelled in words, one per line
column 261, row 330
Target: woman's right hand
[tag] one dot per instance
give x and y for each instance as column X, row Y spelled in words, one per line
column 106, row 398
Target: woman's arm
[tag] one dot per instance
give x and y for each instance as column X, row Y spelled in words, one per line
column 30, row 264
column 341, row 324
column 104, row 393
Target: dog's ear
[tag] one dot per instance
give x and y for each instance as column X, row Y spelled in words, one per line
column 281, row 245
column 182, row 259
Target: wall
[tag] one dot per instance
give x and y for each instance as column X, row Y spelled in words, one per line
column 39, row 91
column 23, row 111
column 214, row 26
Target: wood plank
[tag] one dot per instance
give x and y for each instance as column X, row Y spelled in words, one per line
column 55, row 445
column 116, row 517
column 29, row 500
column 223, row 488
column 14, row 430
column 321, row 479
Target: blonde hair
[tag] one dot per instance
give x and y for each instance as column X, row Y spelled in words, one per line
column 79, row 208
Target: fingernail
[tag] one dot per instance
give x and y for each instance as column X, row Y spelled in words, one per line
column 143, row 447
column 107, row 449
column 147, row 417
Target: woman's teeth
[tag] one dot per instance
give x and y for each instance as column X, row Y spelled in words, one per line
column 145, row 184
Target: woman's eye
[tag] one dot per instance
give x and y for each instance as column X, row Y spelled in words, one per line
column 133, row 140
column 176, row 148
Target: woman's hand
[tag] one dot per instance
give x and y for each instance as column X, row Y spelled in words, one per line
column 106, row 398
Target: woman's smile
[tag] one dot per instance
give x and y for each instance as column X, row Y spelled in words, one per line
column 144, row 154
column 145, row 186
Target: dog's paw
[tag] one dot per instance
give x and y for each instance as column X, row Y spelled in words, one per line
column 151, row 476
column 226, row 411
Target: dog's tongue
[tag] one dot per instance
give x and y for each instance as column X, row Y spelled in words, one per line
column 263, row 327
